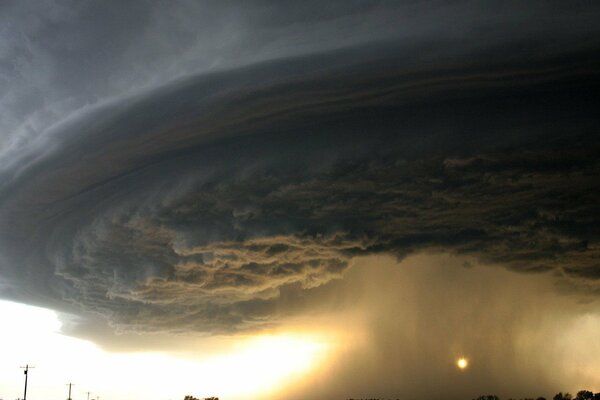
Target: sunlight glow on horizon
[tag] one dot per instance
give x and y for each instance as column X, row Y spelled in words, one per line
column 252, row 367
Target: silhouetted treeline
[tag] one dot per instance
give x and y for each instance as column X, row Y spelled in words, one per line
column 581, row 395
column 188, row 397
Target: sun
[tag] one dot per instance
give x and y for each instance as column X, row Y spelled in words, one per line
column 462, row 363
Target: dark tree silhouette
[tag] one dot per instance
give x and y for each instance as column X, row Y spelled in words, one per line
column 561, row 396
column 488, row 397
column 584, row 395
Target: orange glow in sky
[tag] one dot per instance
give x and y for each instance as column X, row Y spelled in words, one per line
column 250, row 368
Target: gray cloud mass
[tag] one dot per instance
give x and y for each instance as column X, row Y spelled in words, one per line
column 194, row 204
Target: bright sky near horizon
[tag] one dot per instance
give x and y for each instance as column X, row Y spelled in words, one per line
column 258, row 365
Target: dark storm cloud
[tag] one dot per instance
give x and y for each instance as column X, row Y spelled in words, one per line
column 58, row 57
column 195, row 205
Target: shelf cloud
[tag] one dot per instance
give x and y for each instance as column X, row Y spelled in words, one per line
column 193, row 204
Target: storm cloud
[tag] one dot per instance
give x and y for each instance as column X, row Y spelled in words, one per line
column 195, row 199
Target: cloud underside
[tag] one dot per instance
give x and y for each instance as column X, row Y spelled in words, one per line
column 195, row 207
column 305, row 233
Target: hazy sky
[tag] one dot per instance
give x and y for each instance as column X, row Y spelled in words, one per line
column 299, row 199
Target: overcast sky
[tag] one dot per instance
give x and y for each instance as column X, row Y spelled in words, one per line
column 416, row 180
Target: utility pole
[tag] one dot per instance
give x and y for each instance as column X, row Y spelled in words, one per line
column 26, row 372
column 69, row 385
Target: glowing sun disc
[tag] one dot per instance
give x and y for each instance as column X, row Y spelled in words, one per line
column 462, row 363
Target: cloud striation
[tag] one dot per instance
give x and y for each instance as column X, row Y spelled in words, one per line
column 194, row 205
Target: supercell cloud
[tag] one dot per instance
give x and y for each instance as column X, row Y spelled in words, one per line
column 181, row 178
